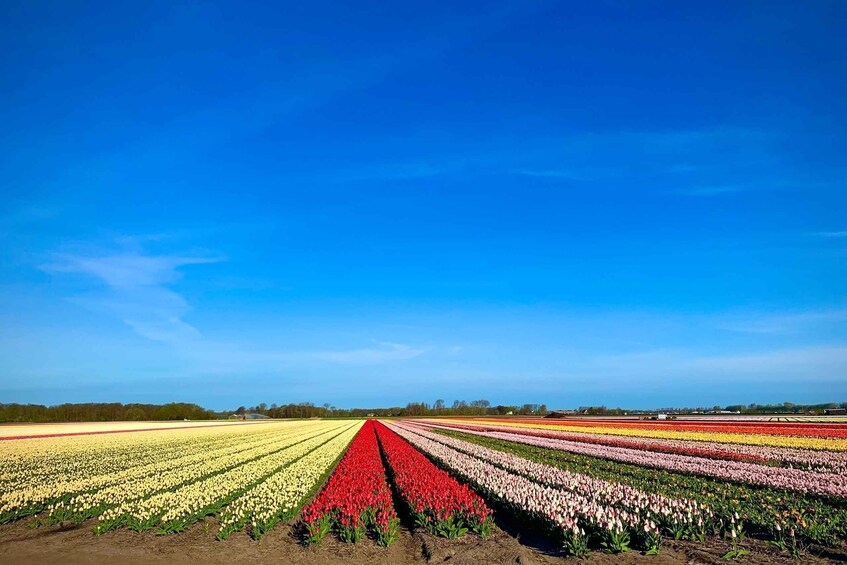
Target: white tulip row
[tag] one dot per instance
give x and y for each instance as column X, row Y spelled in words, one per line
column 282, row 493
column 190, row 501
column 197, row 466
column 87, row 428
column 799, row 480
column 571, row 501
column 822, row 461
column 51, row 489
column 25, row 462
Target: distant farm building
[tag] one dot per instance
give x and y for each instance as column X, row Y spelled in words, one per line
column 249, row 416
column 835, row 411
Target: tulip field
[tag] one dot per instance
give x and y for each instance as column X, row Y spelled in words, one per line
column 586, row 485
column 737, row 476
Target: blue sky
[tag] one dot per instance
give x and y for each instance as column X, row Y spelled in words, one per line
column 621, row 203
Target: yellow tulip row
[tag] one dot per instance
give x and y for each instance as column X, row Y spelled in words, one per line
column 185, row 503
column 23, row 461
column 827, row 444
column 75, row 472
column 133, row 485
column 282, row 493
column 95, row 427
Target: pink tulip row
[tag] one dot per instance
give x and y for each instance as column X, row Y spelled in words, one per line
column 807, row 459
column 573, row 503
column 799, row 480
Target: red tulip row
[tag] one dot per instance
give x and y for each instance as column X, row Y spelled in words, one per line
column 438, row 501
column 357, row 498
column 612, row 442
column 733, row 427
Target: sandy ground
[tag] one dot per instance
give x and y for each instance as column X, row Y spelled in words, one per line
column 20, row 543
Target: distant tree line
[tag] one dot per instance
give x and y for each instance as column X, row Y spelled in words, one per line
column 102, row 412
column 473, row 408
column 95, row 412
column 438, row 408
column 784, row 408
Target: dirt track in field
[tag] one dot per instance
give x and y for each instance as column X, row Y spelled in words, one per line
column 22, row 544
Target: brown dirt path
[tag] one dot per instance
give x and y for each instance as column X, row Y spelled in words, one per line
column 22, row 544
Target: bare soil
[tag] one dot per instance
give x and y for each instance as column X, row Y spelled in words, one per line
column 22, row 543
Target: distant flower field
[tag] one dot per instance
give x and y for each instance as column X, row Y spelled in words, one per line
column 609, row 485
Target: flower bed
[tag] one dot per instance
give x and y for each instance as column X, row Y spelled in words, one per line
column 581, row 509
column 357, row 499
column 824, row 484
column 439, row 503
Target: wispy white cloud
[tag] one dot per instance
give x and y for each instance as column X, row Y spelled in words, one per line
column 703, row 157
column 713, row 190
column 391, row 171
column 124, row 271
column 806, row 363
column 784, row 323
column 234, row 358
column 833, row 233
column 649, row 368
column 383, row 352
column 133, row 288
column 684, row 168
column 553, row 174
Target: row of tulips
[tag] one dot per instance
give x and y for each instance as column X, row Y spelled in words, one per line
column 439, row 503
column 582, row 510
column 78, row 497
column 771, row 428
column 616, row 442
column 19, row 431
column 731, row 435
column 282, row 495
column 821, row 520
column 138, row 484
column 811, row 460
column 173, row 510
column 356, row 500
column 26, row 463
column 799, row 480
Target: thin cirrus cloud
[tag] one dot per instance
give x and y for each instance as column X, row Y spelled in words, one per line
column 699, row 155
column 788, row 323
column 805, row 363
column 133, row 288
column 553, row 174
column 231, row 358
column 383, row 352
column 390, row 172
column 814, row 363
column 713, row 190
